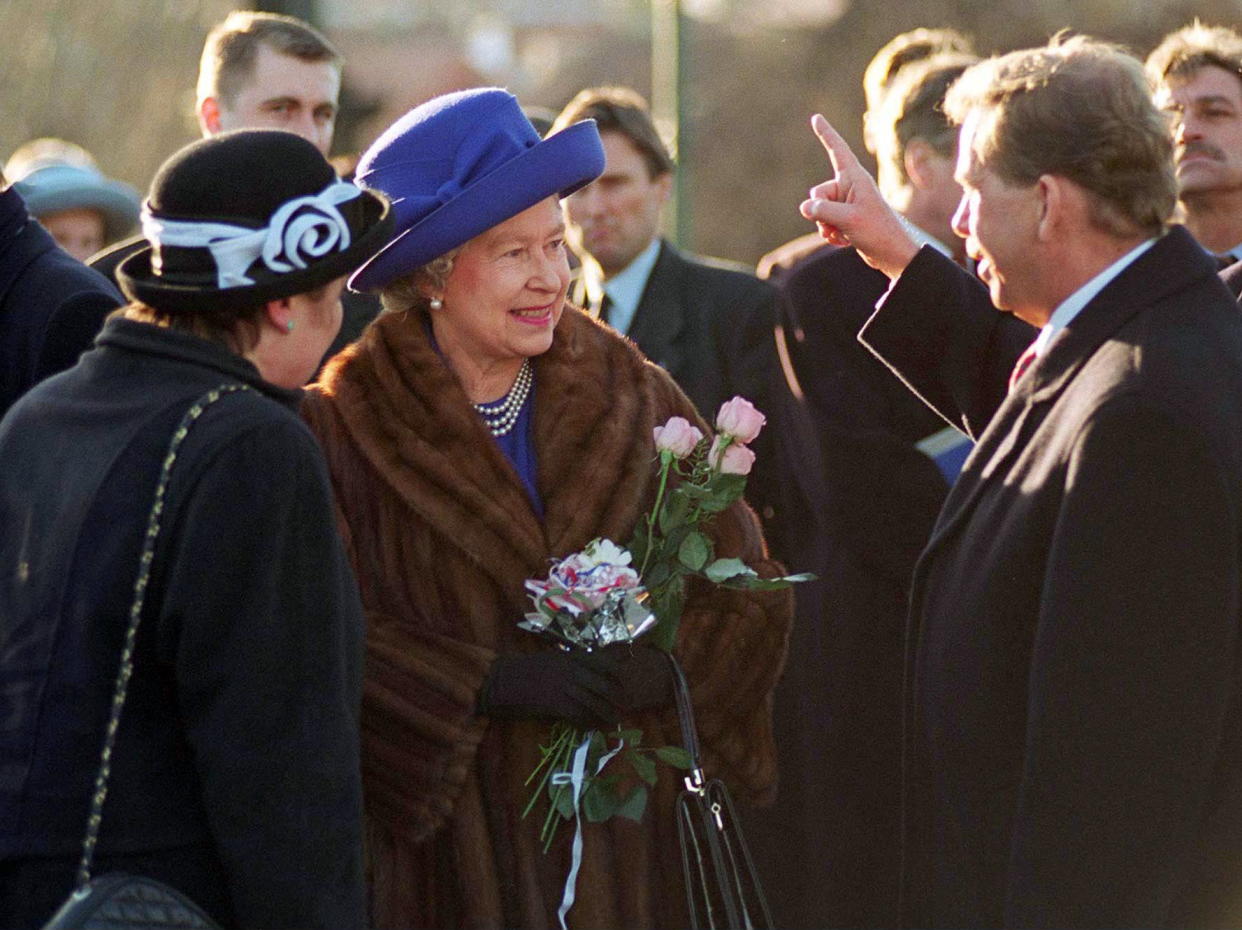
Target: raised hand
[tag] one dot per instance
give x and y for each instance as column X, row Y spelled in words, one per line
column 850, row 210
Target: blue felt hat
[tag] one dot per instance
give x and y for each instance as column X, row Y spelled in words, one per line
column 51, row 186
column 459, row 164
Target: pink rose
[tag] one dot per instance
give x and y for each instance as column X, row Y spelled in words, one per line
column 736, row 459
column 677, row 436
column 739, row 418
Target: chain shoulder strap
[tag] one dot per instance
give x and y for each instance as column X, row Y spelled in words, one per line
column 126, row 668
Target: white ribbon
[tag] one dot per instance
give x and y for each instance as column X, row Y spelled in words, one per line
column 302, row 228
column 576, row 777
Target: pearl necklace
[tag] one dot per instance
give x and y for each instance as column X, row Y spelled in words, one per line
column 500, row 416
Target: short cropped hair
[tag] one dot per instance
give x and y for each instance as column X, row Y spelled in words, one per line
column 914, row 109
column 622, row 110
column 1180, row 54
column 1080, row 109
column 232, row 46
column 904, row 49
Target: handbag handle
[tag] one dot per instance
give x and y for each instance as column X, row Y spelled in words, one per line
column 689, row 733
column 126, row 669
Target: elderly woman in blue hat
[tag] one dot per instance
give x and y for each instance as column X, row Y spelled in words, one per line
column 480, row 428
column 165, row 494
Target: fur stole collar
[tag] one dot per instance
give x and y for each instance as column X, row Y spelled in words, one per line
column 596, row 401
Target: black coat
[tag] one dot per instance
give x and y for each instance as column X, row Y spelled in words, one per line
column 235, row 774
column 1073, row 708
column 869, row 501
column 1232, row 276
column 51, row 305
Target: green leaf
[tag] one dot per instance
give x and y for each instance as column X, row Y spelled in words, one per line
column 656, row 575
column 644, row 767
column 723, row 570
column 673, row 513
column 694, row 551
column 562, row 800
column 675, row 756
column 634, row 805
column 599, row 801
column 631, row 737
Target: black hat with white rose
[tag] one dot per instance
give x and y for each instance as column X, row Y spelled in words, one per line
column 246, row 217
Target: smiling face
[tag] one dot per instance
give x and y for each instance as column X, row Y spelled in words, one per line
column 283, row 92
column 999, row 222
column 505, row 293
column 1206, row 108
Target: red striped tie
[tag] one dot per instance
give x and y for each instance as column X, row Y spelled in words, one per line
column 1024, row 362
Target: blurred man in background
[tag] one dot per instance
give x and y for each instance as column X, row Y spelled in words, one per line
column 1197, row 73
column 267, row 71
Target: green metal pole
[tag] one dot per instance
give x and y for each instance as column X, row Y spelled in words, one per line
column 668, row 105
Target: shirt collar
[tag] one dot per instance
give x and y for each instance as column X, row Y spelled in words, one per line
column 922, row 237
column 1072, row 305
column 625, row 288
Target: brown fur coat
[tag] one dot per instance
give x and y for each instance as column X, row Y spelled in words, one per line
column 442, row 537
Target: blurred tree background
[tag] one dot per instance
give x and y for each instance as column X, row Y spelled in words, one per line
column 117, row 76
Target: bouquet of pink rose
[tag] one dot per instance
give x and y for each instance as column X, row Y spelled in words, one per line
column 594, row 598
column 672, row 538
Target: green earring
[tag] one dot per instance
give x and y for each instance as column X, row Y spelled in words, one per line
column 289, row 326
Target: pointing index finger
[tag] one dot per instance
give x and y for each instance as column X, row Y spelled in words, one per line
column 839, row 153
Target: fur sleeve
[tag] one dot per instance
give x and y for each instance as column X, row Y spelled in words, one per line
column 419, row 728
column 732, row 645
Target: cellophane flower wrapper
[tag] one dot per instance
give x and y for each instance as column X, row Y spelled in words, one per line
column 589, row 600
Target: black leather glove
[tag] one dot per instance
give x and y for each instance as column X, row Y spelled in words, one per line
column 643, row 671
column 557, row 685
column 587, row 689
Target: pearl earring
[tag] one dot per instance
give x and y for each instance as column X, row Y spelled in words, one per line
column 436, row 303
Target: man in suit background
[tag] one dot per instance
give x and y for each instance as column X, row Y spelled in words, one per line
column 267, row 71
column 709, row 324
column 894, row 56
column 1073, row 697
column 840, row 698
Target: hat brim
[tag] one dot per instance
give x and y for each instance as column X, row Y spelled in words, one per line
column 558, row 165
column 140, row 283
column 118, row 203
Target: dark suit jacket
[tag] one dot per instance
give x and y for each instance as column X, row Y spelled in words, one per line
column 709, row 324
column 838, row 706
column 1232, row 276
column 51, row 305
column 1073, row 707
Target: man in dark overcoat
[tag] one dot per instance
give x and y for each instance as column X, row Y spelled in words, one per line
column 1073, row 702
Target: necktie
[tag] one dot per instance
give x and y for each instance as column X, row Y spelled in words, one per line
column 1025, row 360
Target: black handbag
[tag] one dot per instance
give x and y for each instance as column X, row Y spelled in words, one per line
column 722, row 887
column 118, row 901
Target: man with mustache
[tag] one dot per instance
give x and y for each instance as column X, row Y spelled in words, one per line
column 1197, row 73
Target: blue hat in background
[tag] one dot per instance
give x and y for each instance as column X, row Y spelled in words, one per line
column 49, row 186
column 459, row 164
